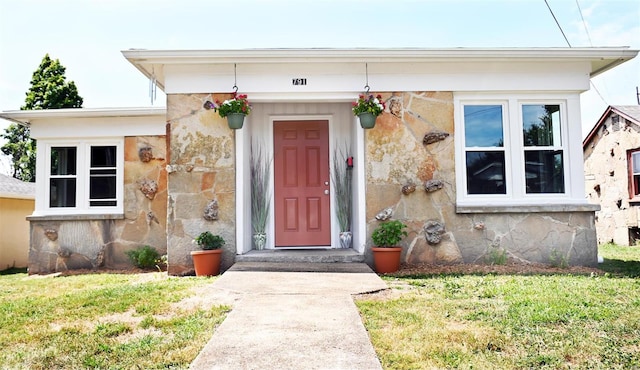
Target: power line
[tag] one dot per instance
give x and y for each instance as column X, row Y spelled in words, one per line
column 584, row 23
column 557, row 23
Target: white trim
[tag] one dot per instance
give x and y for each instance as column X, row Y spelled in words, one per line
column 514, row 166
column 83, row 146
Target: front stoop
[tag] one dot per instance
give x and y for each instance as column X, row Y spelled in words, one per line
column 302, row 256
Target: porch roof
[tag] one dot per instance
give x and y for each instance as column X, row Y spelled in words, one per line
column 151, row 62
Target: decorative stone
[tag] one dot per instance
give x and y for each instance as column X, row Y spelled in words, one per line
column 151, row 217
column 148, row 187
column 432, row 185
column 189, row 168
column 51, row 234
column 408, row 189
column 385, row 214
column 395, row 107
column 211, row 211
column 479, row 225
column 170, row 168
column 64, row 252
column 208, row 105
column 434, row 137
column 433, row 230
column 145, row 154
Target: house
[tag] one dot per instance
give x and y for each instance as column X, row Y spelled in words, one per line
column 612, row 174
column 17, row 200
column 488, row 138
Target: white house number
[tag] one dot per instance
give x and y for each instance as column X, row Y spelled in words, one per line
column 299, row 81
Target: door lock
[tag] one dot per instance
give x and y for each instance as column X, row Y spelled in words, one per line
column 326, row 192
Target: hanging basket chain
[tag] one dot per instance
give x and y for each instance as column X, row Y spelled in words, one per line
column 366, row 72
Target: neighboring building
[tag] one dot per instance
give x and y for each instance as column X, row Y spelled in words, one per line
column 493, row 133
column 612, row 174
column 17, row 199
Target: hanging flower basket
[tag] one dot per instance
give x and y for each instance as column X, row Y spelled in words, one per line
column 368, row 108
column 367, row 120
column 235, row 120
column 234, row 109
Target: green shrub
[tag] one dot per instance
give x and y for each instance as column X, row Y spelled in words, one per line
column 497, row 256
column 144, row 257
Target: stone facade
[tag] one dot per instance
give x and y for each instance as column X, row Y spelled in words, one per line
column 398, row 153
column 60, row 243
column 607, row 179
column 201, row 170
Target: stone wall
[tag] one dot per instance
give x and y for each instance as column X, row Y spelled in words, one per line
column 201, row 179
column 607, row 182
column 60, row 243
column 412, row 145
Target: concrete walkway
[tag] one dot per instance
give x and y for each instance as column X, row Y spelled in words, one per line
column 292, row 320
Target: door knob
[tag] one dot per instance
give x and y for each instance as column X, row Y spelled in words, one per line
column 326, row 192
column 326, row 183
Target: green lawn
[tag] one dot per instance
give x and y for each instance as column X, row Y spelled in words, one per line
column 102, row 321
column 509, row 321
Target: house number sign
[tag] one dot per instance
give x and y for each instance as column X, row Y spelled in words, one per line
column 299, row 81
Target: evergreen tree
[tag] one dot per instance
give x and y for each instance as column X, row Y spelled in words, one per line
column 49, row 90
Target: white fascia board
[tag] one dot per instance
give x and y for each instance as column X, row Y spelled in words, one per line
column 349, row 79
column 153, row 62
column 91, row 122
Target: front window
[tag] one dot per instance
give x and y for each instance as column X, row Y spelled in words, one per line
column 512, row 150
column 83, row 177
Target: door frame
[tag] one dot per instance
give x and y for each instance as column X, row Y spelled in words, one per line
column 272, row 213
column 243, row 138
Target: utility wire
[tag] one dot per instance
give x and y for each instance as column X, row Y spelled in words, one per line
column 584, row 23
column 568, row 43
column 557, row 23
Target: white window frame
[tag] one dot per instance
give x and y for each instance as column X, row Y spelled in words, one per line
column 83, row 165
column 516, row 194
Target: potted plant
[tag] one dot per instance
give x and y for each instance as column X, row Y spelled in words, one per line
column 386, row 256
column 260, row 200
column 234, row 109
column 341, row 177
column 207, row 261
column 368, row 108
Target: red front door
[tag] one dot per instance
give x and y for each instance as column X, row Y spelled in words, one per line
column 301, row 172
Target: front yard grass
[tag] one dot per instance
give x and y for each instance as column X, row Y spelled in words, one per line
column 103, row 321
column 511, row 321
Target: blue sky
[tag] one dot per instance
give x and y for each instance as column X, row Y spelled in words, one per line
column 88, row 35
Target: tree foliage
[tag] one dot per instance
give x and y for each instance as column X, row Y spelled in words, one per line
column 49, row 90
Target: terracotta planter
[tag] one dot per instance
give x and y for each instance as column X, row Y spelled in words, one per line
column 386, row 260
column 207, row 262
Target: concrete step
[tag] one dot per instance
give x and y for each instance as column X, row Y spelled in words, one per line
column 342, row 267
column 302, row 256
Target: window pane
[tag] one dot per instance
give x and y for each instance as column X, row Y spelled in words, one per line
column 636, row 184
column 102, row 176
column 541, row 125
column 485, row 173
column 635, row 158
column 544, row 171
column 483, row 126
column 102, row 187
column 63, row 161
column 103, row 156
column 62, row 193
